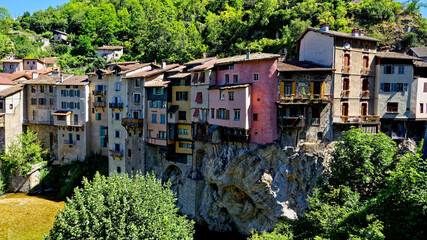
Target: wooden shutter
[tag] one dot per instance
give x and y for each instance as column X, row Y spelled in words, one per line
column 311, row 88
column 227, row 114
column 282, row 88
column 322, row 90
column 294, row 88
column 217, row 113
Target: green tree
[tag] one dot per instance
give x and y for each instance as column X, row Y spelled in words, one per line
column 121, row 207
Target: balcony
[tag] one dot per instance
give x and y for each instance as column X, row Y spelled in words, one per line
column 358, row 119
column 99, row 92
column 68, row 142
column 66, row 123
column 291, row 122
column 345, row 94
column 115, row 153
column 300, row 99
column 116, row 105
column 38, row 122
column 364, row 94
column 130, row 122
column 99, row 104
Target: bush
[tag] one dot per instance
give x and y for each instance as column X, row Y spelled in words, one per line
column 121, row 207
column 2, row 186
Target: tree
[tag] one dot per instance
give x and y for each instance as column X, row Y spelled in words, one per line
column 121, row 207
column 21, row 154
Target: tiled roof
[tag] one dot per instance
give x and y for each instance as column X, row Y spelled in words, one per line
column 204, row 66
column 123, row 63
column 420, row 51
column 177, row 69
column 75, row 80
column 47, row 79
column 153, row 72
column 49, row 60
column 242, row 58
column 157, row 84
column 130, row 68
column 12, row 90
column 15, row 76
column 12, row 61
column 6, row 81
column 421, row 64
column 110, row 48
column 180, row 75
column 31, row 59
column 297, row 66
column 337, row 34
column 395, row 55
column 173, row 109
column 103, row 72
column 231, row 86
column 199, row 61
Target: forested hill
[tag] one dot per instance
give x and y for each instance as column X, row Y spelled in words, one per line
column 181, row 30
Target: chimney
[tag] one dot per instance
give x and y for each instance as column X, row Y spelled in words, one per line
column 362, row 32
column 203, row 55
column 61, row 77
column 248, row 54
column 355, row 32
column 163, row 63
column 385, row 49
column 35, row 75
column 283, row 54
column 324, row 26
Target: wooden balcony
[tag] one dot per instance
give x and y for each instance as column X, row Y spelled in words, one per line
column 365, row 94
column 130, row 122
column 114, row 153
column 369, row 119
column 99, row 92
column 300, row 99
column 291, row 122
column 116, row 105
column 99, row 104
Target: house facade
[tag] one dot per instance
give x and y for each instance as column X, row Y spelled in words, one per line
column 11, row 111
column 11, row 66
column 109, row 53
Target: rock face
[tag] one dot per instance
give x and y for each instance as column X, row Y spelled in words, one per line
column 251, row 188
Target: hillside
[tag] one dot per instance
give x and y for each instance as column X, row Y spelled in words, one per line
column 181, row 30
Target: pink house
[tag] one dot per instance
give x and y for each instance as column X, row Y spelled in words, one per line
column 243, row 101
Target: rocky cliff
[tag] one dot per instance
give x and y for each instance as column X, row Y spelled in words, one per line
column 253, row 187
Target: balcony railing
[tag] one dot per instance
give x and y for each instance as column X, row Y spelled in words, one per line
column 345, row 93
column 115, row 153
column 99, row 92
column 68, row 142
column 365, row 94
column 291, row 122
column 69, row 123
column 130, row 122
column 116, row 105
column 359, row 119
column 305, row 99
column 37, row 122
column 99, row 104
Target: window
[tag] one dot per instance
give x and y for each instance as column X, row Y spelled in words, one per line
column 158, row 91
column 421, row 107
column 42, row 101
column 51, row 101
column 33, row 89
column 388, row 69
column 182, row 82
column 138, row 83
column 221, row 94
column 287, row 90
column 129, row 153
column 51, row 88
column 117, row 134
column 162, row 135
column 150, row 132
column 319, row 136
column 227, row 78
column 98, row 116
column 236, row 114
column 137, row 97
column 99, row 76
column 385, row 87
column 116, row 116
column 392, row 107
column 399, row 87
column 231, row 96
column 181, row 96
column 256, row 76
column 235, row 78
column 164, row 103
column 162, row 119
column 401, row 69
column 117, row 86
column 199, row 97
column 78, row 137
column 182, row 145
column 41, row 88
column 182, row 115
column 33, row 101
column 226, row 67
column 195, row 77
column 212, row 113
column 153, row 118
column 255, row 117
column 222, row 113
column 189, row 145
column 202, row 77
column 425, row 87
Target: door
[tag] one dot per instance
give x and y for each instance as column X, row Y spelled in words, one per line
column 364, row 109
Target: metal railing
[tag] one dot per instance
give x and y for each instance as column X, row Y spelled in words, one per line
column 99, row 104
column 38, row 122
column 292, row 98
column 115, row 153
column 116, row 105
column 99, row 92
column 360, row 119
column 132, row 122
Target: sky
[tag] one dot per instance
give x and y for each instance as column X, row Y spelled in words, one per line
column 18, row 7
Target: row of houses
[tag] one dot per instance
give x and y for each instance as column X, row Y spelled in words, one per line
column 340, row 80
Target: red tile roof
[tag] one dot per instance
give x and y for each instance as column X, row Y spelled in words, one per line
column 395, row 55
column 50, row 60
column 12, row 90
column 110, row 48
column 199, row 61
column 6, row 81
column 204, row 66
column 75, row 80
column 148, row 73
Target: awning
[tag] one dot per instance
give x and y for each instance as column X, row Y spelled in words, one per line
column 198, row 97
column 212, row 128
column 173, row 109
column 196, row 112
column 61, row 113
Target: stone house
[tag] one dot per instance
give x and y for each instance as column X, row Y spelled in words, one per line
column 71, row 118
column 12, row 66
column 304, row 102
column 60, row 36
column 11, row 110
column 419, row 52
column 352, row 57
column 109, row 53
column 33, row 64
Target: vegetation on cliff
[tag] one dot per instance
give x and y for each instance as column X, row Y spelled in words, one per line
column 122, row 207
column 181, row 30
column 372, row 192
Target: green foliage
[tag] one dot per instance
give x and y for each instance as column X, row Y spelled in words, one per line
column 121, row 207
column 362, row 162
column 98, row 63
column 64, row 178
column 2, row 185
column 21, row 154
column 375, row 11
column 409, row 40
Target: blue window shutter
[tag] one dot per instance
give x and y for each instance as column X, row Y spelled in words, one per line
column 102, row 142
column 78, row 93
column 385, row 69
column 382, row 87
column 392, row 69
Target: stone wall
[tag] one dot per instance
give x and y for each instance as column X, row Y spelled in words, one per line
column 25, row 184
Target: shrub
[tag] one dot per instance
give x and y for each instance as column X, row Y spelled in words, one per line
column 121, row 207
